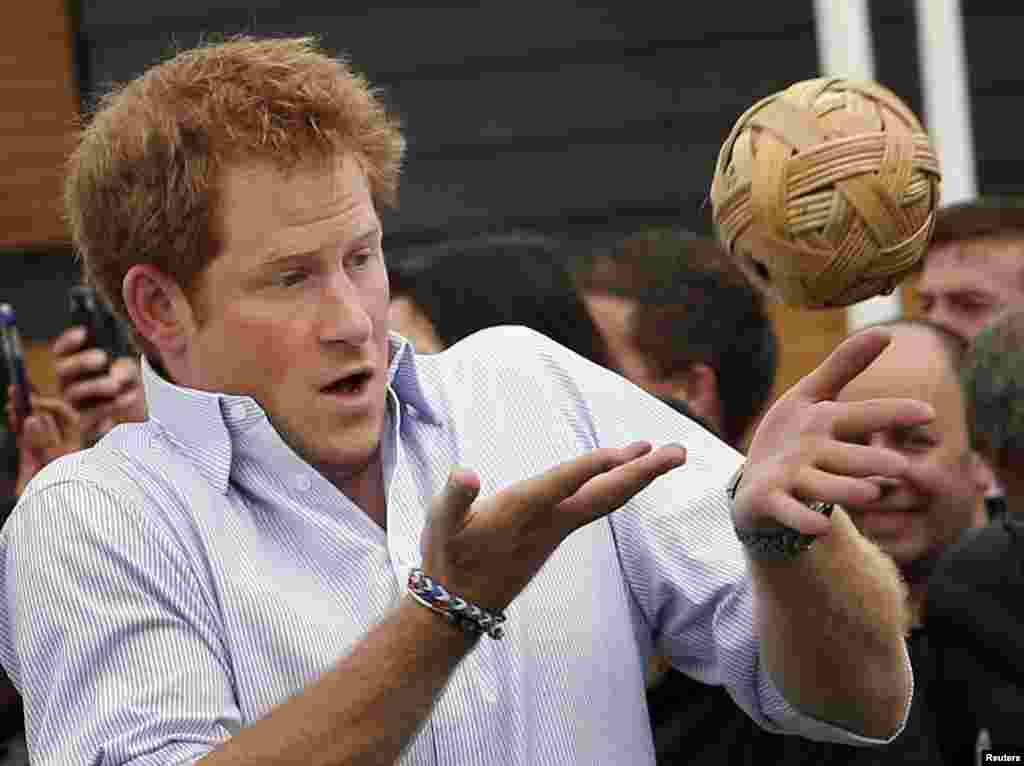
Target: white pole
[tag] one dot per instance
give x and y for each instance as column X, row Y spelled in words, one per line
column 845, row 50
column 844, row 39
column 947, row 108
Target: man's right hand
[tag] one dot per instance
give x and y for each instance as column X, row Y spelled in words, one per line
column 486, row 551
column 113, row 398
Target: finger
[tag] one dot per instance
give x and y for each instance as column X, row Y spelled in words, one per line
column 126, row 408
column 788, row 511
column 815, row 485
column 105, row 426
column 860, row 460
column 849, row 360
column 69, row 341
column 609, row 491
column 12, row 413
column 64, row 414
column 450, row 509
column 858, row 420
column 104, row 387
column 127, row 370
column 82, row 364
column 49, row 434
column 565, row 479
column 90, row 420
column 34, row 433
column 130, row 406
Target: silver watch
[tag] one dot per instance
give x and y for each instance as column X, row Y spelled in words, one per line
column 773, row 544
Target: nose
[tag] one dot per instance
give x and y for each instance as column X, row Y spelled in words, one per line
column 343, row 316
column 886, row 484
column 939, row 313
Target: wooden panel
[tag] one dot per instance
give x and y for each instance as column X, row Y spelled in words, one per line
column 393, row 42
column 522, row 113
column 38, row 105
column 806, row 338
column 992, row 36
column 561, row 180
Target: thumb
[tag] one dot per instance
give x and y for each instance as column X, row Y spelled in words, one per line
column 33, row 432
column 450, row 509
column 849, row 359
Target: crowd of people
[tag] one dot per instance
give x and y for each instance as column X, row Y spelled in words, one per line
column 504, row 497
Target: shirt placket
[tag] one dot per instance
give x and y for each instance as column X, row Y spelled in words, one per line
column 456, row 731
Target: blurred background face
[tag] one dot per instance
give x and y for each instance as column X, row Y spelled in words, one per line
column 965, row 284
column 916, row 517
column 407, row 318
column 294, row 310
column 611, row 315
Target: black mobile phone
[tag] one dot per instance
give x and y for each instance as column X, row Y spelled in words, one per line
column 86, row 311
column 101, row 330
column 14, row 361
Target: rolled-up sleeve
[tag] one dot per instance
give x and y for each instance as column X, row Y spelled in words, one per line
column 683, row 565
column 108, row 635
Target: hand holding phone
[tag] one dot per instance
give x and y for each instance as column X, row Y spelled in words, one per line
column 14, row 362
column 101, row 332
column 97, row 368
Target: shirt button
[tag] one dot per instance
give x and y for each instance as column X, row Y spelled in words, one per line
column 303, row 483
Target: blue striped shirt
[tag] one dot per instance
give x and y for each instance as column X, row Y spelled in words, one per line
column 179, row 580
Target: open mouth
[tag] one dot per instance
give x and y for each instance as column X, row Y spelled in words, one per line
column 349, row 385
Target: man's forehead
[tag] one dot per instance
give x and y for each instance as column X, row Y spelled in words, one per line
column 915, row 364
column 269, row 212
column 995, row 260
column 289, row 188
column 994, row 247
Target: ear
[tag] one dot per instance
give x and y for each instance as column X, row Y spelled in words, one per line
column 983, row 478
column 159, row 309
column 701, row 384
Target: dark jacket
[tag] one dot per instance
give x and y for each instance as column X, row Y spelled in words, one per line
column 698, row 724
column 975, row 619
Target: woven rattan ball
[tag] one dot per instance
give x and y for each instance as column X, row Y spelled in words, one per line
column 825, row 193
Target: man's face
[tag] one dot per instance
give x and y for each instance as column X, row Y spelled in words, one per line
column 918, row 516
column 966, row 283
column 294, row 310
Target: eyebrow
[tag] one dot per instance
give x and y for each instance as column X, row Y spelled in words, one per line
column 275, row 259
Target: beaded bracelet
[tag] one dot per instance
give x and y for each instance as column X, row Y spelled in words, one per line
column 471, row 618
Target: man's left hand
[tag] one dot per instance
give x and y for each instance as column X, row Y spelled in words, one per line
column 811, row 448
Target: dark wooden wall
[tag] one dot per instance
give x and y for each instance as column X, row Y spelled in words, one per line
column 579, row 121
column 544, row 114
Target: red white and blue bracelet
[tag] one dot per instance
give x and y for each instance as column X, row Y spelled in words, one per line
column 470, row 617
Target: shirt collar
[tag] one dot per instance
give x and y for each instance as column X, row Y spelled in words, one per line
column 404, row 376
column 206, row 424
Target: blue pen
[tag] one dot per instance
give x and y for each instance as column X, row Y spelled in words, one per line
column 15, row 362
